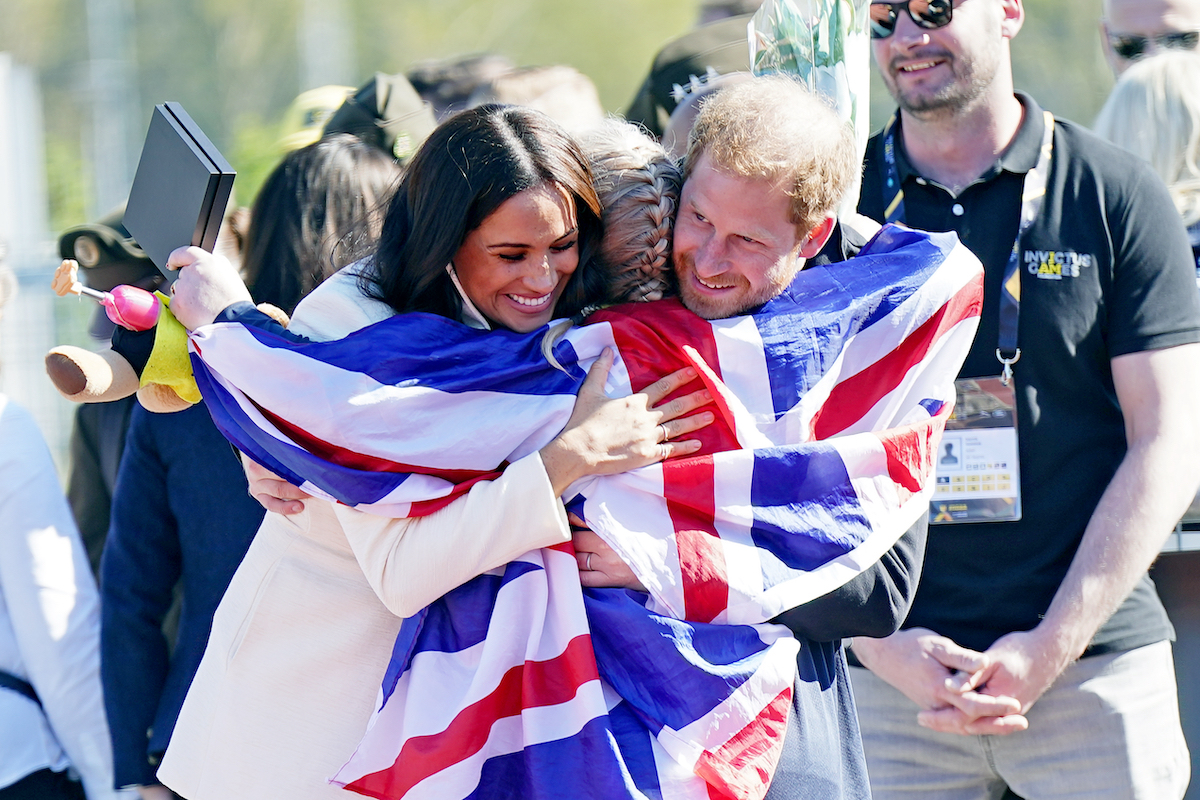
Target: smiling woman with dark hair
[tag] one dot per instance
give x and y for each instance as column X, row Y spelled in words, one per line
column 495, row 225
column 470, row 166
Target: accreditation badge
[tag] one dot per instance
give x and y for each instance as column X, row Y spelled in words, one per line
column 978, row 475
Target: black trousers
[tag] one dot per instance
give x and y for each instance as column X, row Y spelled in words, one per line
column 44, row 785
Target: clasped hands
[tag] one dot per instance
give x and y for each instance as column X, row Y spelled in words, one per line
column 964, row 691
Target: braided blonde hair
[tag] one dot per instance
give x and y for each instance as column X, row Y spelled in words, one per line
column 638, row 185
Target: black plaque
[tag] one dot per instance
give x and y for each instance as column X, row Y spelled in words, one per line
column 180, row 190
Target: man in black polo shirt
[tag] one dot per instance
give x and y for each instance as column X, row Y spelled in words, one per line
column 1036, row 657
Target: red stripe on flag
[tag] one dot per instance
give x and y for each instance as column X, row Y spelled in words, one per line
column 853, row 397
column 688, row 487
column 649, row 336
column 648, row 339
column 421, row 508
column 910, row 454
column 343, row 457
column 744, row 766
column 563, row 547
column 715, row 387
column 530, row 685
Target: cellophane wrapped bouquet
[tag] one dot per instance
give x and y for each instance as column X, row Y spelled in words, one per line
column 825, row 44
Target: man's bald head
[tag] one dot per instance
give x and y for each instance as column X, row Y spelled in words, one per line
column 1133, row 28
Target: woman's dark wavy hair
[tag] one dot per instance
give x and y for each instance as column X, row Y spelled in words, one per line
column 320, row 209
column 468, row 166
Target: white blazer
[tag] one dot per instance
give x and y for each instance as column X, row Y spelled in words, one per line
column 301, row 640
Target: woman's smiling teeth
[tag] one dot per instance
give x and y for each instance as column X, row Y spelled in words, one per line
column 531, row 302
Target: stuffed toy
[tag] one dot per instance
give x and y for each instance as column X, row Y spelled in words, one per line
column 149, row 349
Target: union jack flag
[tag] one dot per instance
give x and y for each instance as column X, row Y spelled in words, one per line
column 830, row 399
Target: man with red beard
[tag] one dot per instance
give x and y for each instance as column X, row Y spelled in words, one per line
column 766, row 167
column 1090, row 309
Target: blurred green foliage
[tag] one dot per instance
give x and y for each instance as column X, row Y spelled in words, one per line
column 67, row 182
column 254, row 154
column 235, row 65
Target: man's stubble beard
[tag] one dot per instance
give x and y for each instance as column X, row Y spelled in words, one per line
column 707, row 308
column 972, row 75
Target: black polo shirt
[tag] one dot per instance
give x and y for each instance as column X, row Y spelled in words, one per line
column 1106, row 271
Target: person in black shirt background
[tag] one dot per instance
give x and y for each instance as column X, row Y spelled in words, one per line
column 1036, row 659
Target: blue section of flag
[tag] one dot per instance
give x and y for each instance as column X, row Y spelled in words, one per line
column 542, row 770
column 402, row 651
column 398, row 350
column 806, row 512
column 292, row 463
column 636, row 749
column 631, row 642
column 933, row 406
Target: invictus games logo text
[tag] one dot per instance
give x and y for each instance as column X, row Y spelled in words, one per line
column 1055, row 265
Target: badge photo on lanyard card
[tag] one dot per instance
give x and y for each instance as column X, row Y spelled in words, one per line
column 978, row 474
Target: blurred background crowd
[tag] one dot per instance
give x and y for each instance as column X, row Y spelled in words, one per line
column 78, row 79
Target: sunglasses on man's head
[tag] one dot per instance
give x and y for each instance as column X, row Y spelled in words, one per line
column 1130, row 47
column 928, row 14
